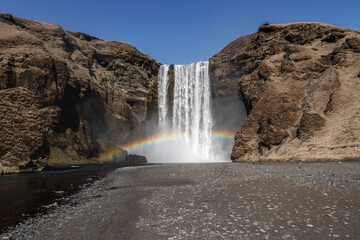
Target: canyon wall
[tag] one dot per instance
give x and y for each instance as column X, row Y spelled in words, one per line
column 300, row 84
column 66, row 96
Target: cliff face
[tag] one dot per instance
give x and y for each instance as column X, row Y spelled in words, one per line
column 299, row 83
column 67, row 95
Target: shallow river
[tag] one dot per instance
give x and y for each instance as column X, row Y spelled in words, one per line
column 24, row 195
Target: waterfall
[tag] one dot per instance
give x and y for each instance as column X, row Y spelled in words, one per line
column 191, row 109
column 163, row 85
column 185, row 122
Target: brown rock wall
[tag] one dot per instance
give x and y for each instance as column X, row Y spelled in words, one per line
column 101, row 90
column 298, row 83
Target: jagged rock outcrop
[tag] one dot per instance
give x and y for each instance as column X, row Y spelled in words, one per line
column 66, row 95
column 299, row 83
column 126, row 159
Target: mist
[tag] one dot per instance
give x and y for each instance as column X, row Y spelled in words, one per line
column 227, row 115
column 193, row 124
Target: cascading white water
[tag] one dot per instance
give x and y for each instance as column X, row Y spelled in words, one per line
column 184, row 131
column 191, row 109
column 192, row 106
column 163, row 85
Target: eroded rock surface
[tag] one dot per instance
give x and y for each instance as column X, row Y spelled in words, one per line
column 299, row 83
column 88, row 93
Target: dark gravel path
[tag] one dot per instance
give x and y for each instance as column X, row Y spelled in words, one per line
column 210, row 201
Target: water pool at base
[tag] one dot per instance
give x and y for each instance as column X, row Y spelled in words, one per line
column 26, row 194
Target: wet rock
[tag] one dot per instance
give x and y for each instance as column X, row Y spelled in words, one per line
column 136, row 159
column 127, row 159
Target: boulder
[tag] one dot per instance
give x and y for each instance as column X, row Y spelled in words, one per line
column 125, row 159
column 134, row 159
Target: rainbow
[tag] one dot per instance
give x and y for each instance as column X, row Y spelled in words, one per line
column 157, row 139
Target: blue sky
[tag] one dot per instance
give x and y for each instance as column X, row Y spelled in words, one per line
column 183, row 31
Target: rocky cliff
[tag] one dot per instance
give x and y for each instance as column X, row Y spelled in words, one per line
column 67, row 96
column 300, row 84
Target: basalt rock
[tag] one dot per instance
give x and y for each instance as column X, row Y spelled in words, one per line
column 136, row 159
column 125, row 159
column 76, row 91
column 299, row 83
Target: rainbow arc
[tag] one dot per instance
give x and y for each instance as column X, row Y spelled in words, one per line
column 158, row 139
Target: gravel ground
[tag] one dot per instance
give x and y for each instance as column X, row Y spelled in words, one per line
column 209, row 201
